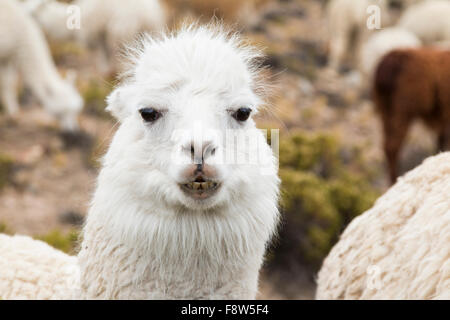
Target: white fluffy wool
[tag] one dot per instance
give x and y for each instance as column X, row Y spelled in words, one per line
column 31, row 269
column 381, row 43
column 400, row 248
column 144, row 237
column 24, row 52
column 428, row 20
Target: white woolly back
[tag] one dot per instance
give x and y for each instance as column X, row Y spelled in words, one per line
column 428, row 20
column 399, row 249
column 203, row 51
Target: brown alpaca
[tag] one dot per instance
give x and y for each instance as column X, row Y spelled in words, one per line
column 412, row 84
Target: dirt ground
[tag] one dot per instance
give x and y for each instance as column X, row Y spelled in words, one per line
column 54, row 175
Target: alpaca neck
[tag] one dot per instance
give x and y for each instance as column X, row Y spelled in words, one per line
column 36, row 65
column 132, row 252
column 115, row 269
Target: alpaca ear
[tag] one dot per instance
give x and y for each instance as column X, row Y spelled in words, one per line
column 118, row 104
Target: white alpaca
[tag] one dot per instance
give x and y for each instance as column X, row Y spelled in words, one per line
column 104, row 24
column 159, row 225
column 349, row 18
column 428, row 20
column 382, row 42
column 23, row 51
column 399, row 249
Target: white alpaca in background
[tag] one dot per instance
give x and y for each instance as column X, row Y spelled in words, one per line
column 399, row 249
column 347, row 23
column 52, row 16
column 161, row 226
column 104, row 24
column 24, row 51
column 429, row 21
column 382, row 42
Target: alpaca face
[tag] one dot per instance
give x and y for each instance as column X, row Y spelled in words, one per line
column 186, row 97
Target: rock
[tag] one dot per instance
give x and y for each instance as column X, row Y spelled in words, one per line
column 78, row 139
column 72, row 217
column 306, row 86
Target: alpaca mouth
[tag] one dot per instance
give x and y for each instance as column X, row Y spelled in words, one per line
column 200, row 188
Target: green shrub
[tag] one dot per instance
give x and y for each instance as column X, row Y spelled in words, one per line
column 94, row 94
column 308, row 152
column 321, row 192
column 6, row 166
column 4, row 228
column 66, row 53
column 64, row 242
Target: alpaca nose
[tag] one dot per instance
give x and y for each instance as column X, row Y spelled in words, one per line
column 201, row 150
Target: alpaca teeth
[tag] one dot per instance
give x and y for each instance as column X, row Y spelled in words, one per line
column 201, row 186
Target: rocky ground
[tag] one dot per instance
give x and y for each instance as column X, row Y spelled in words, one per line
column 50, row 176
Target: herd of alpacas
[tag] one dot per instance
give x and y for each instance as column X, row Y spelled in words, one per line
column 406, row 63
column 161, row 228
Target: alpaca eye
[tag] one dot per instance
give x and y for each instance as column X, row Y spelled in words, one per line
column 150, row 114
column 242, row 114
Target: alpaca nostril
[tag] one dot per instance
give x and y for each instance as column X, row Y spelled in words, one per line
column 207, row 149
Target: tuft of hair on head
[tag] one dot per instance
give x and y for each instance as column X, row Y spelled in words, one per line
column 249, row 53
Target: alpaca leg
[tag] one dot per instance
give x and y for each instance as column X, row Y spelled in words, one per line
column 8, row 88
column 338, row 47
column 394, row 136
